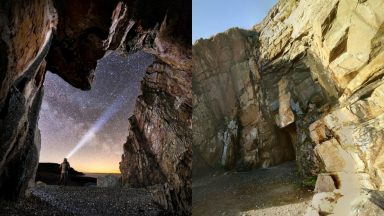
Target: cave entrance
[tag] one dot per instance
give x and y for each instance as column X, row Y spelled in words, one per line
column 288, row 137
column 90, row 127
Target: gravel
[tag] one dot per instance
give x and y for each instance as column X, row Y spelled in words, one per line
column 92, row 201
column 270, row 191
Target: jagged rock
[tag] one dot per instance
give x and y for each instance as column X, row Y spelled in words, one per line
column 229, row 138
column 159, row 146
column 286, row 115
column 78, row 41
column 24, row 44
column 324, row 183
column 325, row 202
column 368, row 208
column 273, row 121
column 163, row 194
column 137, row 168
column 227, row 85
column 334, row 157
column 326, row 59
column 364, row 202
column 72, row 36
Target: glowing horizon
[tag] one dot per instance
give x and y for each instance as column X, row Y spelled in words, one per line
column 85, row 169
column 70, row 117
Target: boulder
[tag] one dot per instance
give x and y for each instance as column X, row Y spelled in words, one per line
column 108, row 181
column 325, row 202
column 324, row 183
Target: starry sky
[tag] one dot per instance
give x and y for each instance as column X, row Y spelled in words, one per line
column 68, row 113
column 210, row 17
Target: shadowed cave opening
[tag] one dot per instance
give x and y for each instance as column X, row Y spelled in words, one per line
column 288, row 136
column 68, row 115
column 67, row 38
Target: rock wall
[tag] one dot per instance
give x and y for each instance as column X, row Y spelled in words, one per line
column 67, row 38
column 312, row 70
column 78, row 42
column 25, row 41
column 35, row 36
column 158, row 151
column 234, row 85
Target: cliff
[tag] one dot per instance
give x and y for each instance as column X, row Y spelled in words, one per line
column 303, row 84
column 67, row 38
column 158, row 151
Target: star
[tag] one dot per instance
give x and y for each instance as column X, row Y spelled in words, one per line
column 67, row 113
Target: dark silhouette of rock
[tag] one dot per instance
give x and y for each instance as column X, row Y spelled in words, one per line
column 54, row 168
column 68, row 37
column 158, row 150
column 49, row 173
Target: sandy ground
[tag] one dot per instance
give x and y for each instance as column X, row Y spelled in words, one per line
column 59, row 200
column 270, row 191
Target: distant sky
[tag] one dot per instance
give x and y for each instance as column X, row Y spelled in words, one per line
column 213, row 16
column 67, row 114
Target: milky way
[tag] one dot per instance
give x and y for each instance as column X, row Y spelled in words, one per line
column 68, row 113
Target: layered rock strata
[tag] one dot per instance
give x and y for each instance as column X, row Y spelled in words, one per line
column 67, row 38
column 263, row 99
column 310, row 73
column 158, row 150
column 24, row 43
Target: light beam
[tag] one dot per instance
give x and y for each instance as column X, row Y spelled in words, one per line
column 117, row 104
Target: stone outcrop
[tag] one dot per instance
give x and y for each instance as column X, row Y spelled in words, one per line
column 272, row 103
column 67, row 38
column 78, row 42
column 24, row 43
column 49, row 174
column 36, row 36
column 311, row 73
column 158, row 150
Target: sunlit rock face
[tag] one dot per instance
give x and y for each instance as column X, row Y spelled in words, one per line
column 312, row 71
column 272, row 102
column 68, row 38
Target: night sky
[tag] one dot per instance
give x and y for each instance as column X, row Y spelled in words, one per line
column 68, row 113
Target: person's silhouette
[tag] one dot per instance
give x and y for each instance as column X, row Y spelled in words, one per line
column 64, row 167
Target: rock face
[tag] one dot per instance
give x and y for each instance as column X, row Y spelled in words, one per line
column 78, row 41
column 40, row 35
column 68, row 38
column 271, row 102
column 308, row 77
column 24, row 43
column 158, row 150
column 108, row 181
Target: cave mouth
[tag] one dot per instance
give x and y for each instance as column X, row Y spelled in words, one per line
column 90, row 127
column 288, row 138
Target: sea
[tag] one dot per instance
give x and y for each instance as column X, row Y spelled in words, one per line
column 95, row 175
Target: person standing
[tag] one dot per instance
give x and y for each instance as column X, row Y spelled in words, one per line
column 64, row 167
